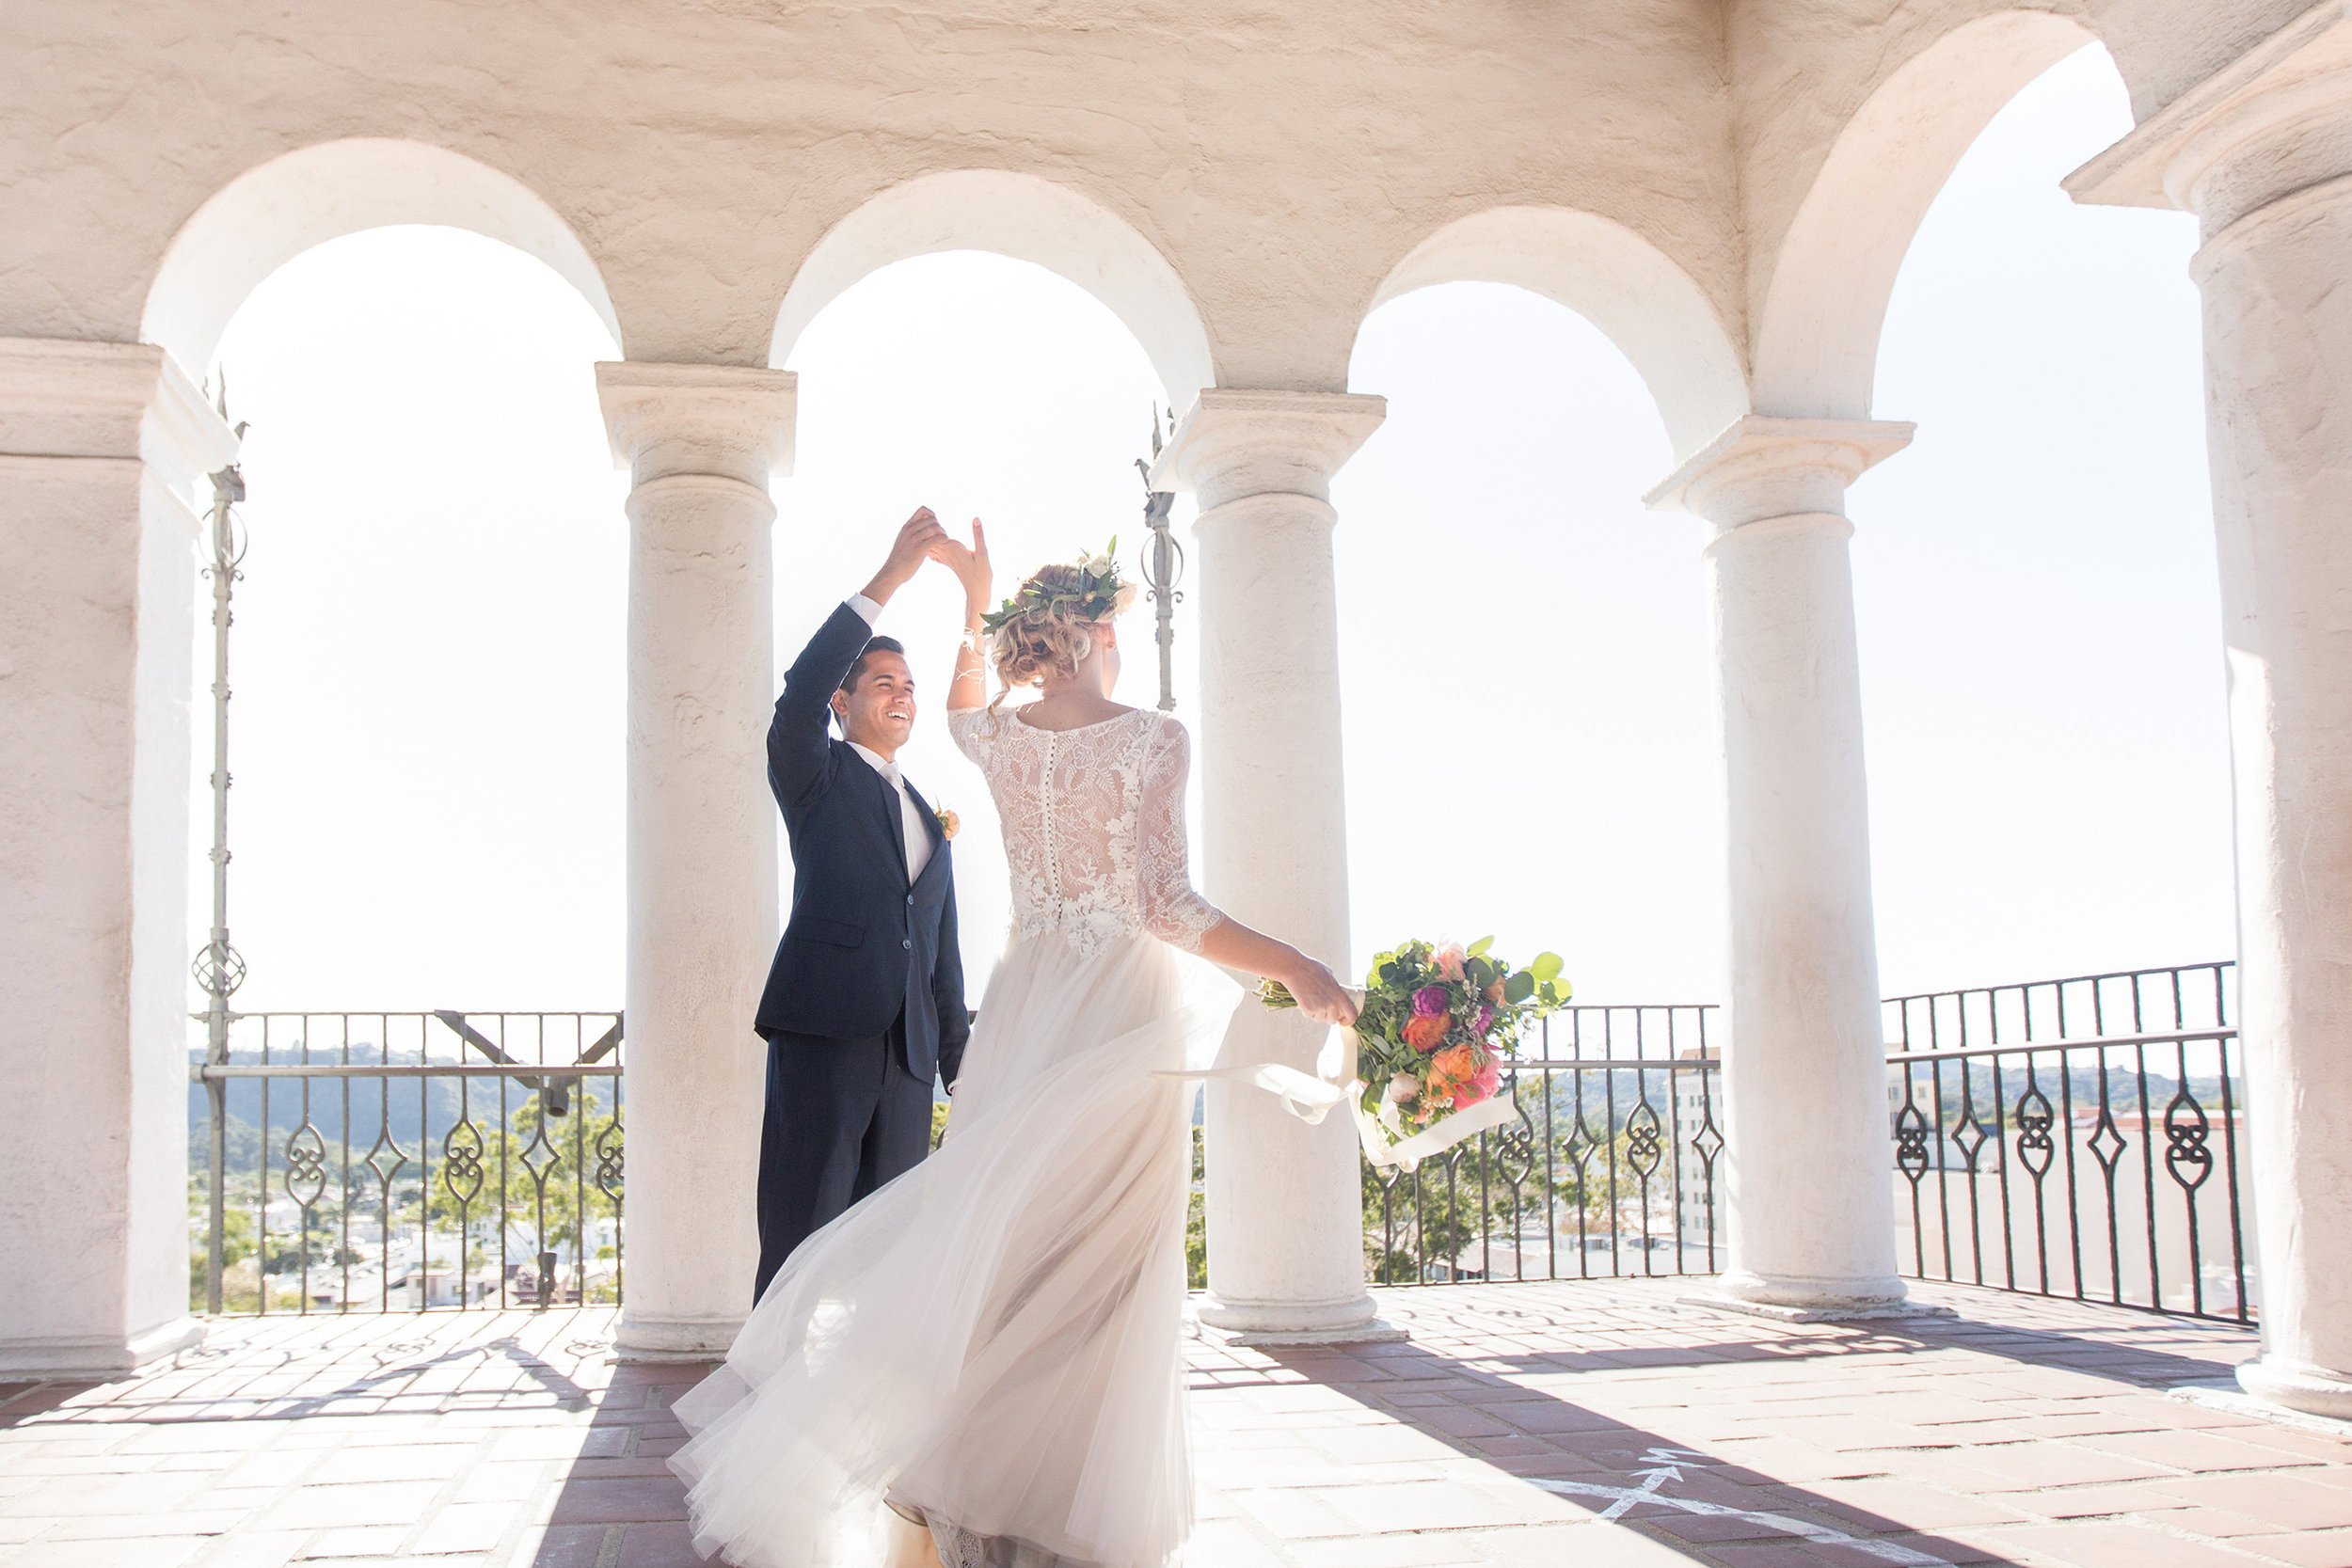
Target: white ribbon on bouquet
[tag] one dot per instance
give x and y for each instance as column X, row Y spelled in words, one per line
column 1338, row 1078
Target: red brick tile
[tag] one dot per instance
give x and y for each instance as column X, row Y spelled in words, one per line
column 2028, row 1466
column 619, row 1501
column 567, row 1546
column 2310, row 1548
column 2200, row 1451
column 664, row 1544
column 2087, row 1502
column 2115, row 1545
column 1894, row 1504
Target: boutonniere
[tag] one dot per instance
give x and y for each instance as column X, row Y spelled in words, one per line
column 949, row 823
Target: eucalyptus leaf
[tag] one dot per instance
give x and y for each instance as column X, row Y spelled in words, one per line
column 1545, row 967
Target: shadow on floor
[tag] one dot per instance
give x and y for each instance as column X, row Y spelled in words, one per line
column 618, row 1503
column 1680, row 1496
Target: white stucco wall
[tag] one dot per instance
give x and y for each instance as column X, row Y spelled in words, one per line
column 1281, row 158
column 1724, row 186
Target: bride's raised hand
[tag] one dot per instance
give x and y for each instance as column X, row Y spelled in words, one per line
column 1319, row 994
column 968, row 562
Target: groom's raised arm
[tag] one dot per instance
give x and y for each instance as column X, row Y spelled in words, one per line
column 797, row 753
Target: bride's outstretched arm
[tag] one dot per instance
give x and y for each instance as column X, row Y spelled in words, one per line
column 969, row 689
column 1238, row 947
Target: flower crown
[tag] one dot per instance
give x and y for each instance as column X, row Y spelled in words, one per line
column 1095, row 596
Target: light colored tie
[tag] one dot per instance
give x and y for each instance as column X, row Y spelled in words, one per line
column 918, row 843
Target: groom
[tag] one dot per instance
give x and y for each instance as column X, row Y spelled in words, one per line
column 864, row 1001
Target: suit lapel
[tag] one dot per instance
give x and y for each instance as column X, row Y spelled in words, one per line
column 885, row 799
column 931, row 829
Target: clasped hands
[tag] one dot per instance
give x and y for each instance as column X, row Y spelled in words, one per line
column 922, row 538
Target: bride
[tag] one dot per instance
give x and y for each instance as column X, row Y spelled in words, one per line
column 982, row 1360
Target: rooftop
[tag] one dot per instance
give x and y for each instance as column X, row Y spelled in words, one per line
column 1593, row 1423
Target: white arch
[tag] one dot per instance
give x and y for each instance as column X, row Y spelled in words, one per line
column 1029, row 219
column 1645, row 304
column 1816, row 334
column 276, row 211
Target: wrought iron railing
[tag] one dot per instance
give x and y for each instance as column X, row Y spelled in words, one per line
column 2082, row 1137
column 1612, row 1168
column 372, row 1162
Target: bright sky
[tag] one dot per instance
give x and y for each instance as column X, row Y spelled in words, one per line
column 429, row 650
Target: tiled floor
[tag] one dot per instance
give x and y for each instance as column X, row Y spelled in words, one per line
column 1572, row 1426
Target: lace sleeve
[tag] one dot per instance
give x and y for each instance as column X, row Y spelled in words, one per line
column 1172, row 912
column 971, row 729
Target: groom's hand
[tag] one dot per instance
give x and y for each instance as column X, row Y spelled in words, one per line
column 916, row 538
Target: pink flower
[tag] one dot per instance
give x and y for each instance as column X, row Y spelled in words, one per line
column 1479, row 1087
column 1429, row 1001
column 1481, row 1021
column 1449, row 960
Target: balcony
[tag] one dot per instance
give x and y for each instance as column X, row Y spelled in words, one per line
column 1593, row 1422
column 412, row 1358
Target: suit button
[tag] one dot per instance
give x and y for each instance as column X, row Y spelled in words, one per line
column 907, row 942
column 910, row 898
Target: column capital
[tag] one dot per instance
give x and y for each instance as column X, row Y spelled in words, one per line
column 735, row 421
column 1237, row 442
column 1763, row 467
column 2273, row 122
column 67, row 397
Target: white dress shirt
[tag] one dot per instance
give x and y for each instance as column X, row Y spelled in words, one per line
column 918, row 836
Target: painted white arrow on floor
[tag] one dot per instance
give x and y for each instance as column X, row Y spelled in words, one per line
column 1665, row 1465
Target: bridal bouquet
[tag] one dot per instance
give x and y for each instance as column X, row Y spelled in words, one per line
column 1436, row 1022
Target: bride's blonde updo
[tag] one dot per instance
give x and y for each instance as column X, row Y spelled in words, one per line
column 1046, row 628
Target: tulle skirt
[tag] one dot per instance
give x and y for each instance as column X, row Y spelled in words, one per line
column 990, row 1343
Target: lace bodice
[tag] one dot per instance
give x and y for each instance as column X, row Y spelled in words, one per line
column 1094, row 825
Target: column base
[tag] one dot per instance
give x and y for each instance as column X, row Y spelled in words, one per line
column 1379, row 1330
column 1791, row 1300
column 2297, row 1387
column 653, row 1340
column 1347, row 1320
column 94, row 1359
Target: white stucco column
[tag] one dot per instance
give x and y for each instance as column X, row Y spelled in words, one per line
column 1283, row 1204
column 100, row 445
column 700, row 442
column 2262, row 154
column 1807, row 1151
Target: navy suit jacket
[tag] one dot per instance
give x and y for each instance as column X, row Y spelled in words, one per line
column 863, row 944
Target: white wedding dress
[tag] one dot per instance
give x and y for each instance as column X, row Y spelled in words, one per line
column 991, row 1343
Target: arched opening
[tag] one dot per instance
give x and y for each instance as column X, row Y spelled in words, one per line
column 427, row 658
column 1815, row 331
column 1525, row 651
column 1526, row 680
column 429, row 638
column 274, row 213
column 1655, row 313
column 2037, row 608
column 1026, row 218
column 980, row 386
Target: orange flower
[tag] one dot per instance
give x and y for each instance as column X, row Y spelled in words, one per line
column 1423, row 1033
column 1457, row 1064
